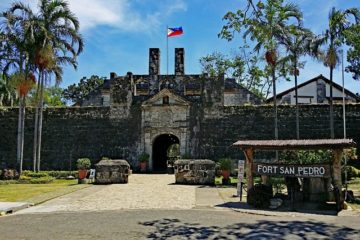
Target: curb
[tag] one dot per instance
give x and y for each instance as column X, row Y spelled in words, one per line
column 11, row 207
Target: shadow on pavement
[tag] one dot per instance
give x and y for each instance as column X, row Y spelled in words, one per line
column 299, row 209
column 174, row 228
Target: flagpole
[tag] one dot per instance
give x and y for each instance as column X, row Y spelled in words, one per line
column 167, row 51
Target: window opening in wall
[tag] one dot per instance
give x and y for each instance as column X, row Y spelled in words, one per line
column 166, row 100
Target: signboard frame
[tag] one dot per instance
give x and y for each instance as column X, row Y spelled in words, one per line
column 293, row 170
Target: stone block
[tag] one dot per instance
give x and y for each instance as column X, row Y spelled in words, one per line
column 195, row 171
column 112, row 171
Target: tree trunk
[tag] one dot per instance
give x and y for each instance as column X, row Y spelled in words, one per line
column 275, row 103
column 296, row 102
column 18, row 149
column 22, row 133
column 36, row 120
column 332, row 134
column 41, row 104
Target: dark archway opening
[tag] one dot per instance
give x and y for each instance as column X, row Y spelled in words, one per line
column 160, row 151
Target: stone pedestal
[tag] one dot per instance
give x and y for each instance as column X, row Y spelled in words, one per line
column 195, row 171
column 112, row 171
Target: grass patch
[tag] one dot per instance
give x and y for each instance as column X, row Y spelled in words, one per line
column 218, row 180
column 22, row 192
column 354, row 184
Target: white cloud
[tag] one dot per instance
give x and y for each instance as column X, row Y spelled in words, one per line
column 125, row 15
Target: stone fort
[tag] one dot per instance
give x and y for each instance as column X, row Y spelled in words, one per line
column 133, row 114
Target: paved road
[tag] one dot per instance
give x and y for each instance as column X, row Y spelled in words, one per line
column 174, row 224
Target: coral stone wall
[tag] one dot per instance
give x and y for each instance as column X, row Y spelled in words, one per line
column 95, row 132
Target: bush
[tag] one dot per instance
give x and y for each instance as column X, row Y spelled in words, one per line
column 225, row 164
column 351, row 172
column 61, row 174
column 144, row 157
column 259, row 196
column 83, row 163
column 306, row 157
column 24, row 178
column 32, row 174
column 42, row 180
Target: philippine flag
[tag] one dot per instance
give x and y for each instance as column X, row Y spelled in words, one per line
column 174, row 31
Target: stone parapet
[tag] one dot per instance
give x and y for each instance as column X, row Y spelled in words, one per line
column 112, row 171
column 195, row 171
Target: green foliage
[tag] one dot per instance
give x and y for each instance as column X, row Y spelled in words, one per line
column 259, row 196
column 351, row 172
column 245, row 68
column 306, row 157
column 61, row 174
column 263, row 24
column 225, row 164
column 42, row 180
column 278, row 184
column 7, row 93
column 83, row 163
column 35, row 177
column 32, row 174
column 144, row 157
column 105, row 158
column 352, row 36
column 52, row 97
column 79, row 92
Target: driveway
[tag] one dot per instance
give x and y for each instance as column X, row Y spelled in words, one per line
column 144, row 191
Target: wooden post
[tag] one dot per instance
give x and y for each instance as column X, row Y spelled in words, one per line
column 337, row 156
column 264, row 179
column 249, row 155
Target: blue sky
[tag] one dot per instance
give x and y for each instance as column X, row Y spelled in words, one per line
column 118, row 34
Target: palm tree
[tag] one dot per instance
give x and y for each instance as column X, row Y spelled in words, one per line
column 17, row 39
column 271, row 21
column 335, row 36
column 297, row 42
column 57, row 35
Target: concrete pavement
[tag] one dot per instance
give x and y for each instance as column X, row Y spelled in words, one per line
column 152, row 191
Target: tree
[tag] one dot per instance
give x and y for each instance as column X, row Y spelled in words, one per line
column 76, row 93
column 52, row 97
column 352, row 36
column 57, row 35
column 17, row 41
column 263, row 23
column 244, row 67
column 297, row 42
column 335, row 36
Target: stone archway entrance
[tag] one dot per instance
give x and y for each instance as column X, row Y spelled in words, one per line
column 161, row 145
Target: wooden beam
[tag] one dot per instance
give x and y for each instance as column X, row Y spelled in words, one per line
column 249, row 155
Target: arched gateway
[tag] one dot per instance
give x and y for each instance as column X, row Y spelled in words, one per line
column 160, row 149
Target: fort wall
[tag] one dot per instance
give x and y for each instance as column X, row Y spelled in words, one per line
column 94, row 132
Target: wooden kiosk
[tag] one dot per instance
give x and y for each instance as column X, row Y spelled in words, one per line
column 335, row 145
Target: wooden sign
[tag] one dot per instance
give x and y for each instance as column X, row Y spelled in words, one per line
column 241, row 171
column 322, row 171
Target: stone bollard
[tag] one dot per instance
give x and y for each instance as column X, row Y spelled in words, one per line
column 195, row 171
column 112, row 171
